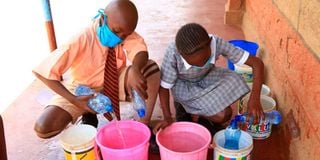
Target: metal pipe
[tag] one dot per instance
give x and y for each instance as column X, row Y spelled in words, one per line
column 3, row 148
column 49, row 25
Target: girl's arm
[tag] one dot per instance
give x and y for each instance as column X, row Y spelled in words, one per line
column 165, row 105
column 254, row 106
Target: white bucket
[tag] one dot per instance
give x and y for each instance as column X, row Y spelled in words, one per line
column 265, row 90
column 243, row 153
column 264, row 128
column 245, row 71
column 78, row 142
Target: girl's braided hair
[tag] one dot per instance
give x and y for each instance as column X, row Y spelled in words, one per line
column 190, row 38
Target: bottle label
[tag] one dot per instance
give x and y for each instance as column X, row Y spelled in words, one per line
column 258, row 131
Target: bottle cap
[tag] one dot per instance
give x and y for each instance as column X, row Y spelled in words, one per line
column 233, row 124
column 239, row 118
column 277, row 117
column 141, row 112
column 109, row 108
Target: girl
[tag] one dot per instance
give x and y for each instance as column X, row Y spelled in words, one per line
column 188, row 70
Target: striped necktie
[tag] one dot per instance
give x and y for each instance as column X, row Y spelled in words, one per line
column 111, row 83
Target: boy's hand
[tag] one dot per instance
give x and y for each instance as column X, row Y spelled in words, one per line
column 255, row 110
column 82, row 102
column 136, row 81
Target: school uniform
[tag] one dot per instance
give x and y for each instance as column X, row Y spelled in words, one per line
column 85, row 57
column 204, row 91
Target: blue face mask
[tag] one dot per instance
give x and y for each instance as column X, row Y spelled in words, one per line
column 205, row 65
column 106, row 36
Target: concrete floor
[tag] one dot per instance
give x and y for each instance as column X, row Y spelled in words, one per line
column 158, row 23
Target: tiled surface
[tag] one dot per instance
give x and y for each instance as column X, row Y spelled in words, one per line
column 158, row 23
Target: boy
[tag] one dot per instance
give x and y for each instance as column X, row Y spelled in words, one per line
column 89, row 58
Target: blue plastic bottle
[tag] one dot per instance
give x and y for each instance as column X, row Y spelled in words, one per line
column 274, row 117
column 232, row 136
column 100, row 103
column 139, row 104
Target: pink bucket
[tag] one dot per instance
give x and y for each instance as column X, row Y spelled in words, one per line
column 125, row 140
column 184, row 140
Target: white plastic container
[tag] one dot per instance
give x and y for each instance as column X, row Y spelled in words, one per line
column 245, row 71
column 264, row 128
column 78, row 142
column 243, row 153
column 265, row 90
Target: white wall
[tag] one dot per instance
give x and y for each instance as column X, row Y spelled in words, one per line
column 23, row 39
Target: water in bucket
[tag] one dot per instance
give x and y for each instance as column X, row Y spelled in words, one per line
column 250, row 47
column 123, row 142
column 187, row 142
column 232, row 135
column 135, row 136
column 243, row 153
column 183, row 140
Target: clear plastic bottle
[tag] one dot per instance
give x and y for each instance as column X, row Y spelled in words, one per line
column 139, row 104
column 273, row 117
column 232, row 136
column 100, row 103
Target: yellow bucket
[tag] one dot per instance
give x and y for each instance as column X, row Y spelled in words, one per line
column 78, row 142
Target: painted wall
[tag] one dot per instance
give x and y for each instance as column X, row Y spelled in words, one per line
column 288, row 32
column 304, row 16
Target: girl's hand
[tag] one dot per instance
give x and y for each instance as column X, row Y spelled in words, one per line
column 136, row 81
column 212, row 145
column 255, row 110
column 162, row 124
column 82, row 102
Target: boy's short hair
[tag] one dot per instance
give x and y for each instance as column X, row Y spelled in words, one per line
column 191, row 37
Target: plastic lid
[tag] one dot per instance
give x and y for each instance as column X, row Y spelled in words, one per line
column 265, row 90
column 141, row 112
column 242, row 68
column 109, row 108
column 249, row 46
column 276, row 116
column 78, row 137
